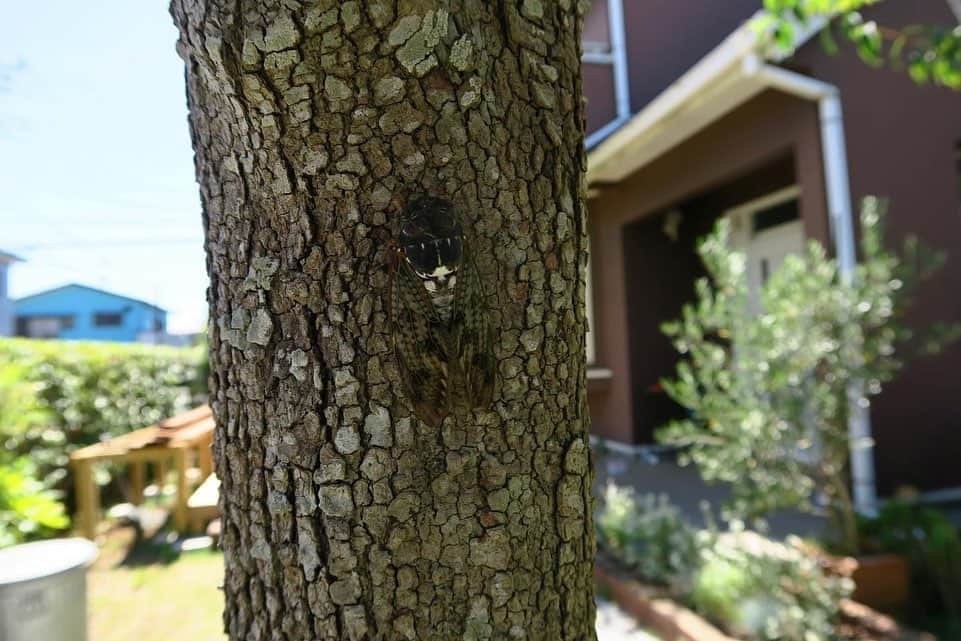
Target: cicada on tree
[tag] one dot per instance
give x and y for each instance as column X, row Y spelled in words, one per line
column 439, row 322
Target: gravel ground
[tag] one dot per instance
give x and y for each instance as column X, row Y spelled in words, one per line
column 687, row 491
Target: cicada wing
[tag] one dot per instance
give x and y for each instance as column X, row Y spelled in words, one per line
column 419, row 340
column 474, row 337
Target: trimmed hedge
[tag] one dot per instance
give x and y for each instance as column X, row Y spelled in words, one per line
column 79, row 393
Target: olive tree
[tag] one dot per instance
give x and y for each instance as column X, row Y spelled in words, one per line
column 768, row 390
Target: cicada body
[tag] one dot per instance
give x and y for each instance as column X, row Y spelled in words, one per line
column 439, row 322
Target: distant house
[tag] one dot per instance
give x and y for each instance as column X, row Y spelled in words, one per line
column 78, row 312
column 6, row 310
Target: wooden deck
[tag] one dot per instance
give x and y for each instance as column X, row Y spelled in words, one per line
column 182, row 441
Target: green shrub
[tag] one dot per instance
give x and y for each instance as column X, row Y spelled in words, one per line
column 767, row 590
column 56, row 396
column 647, row 535
column 28, row 510
column 768, row 393
column 719, row 589
column 755, row 587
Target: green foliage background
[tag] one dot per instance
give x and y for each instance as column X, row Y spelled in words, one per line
column 56, row 397
column 930, row 53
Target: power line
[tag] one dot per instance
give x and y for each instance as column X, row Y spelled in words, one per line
column 96, row 244
column 102, row 222
column 100, row 278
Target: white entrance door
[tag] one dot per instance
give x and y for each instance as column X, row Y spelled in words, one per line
column 766, row 230
column 766, row 250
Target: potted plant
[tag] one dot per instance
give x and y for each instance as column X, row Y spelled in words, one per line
column 931, row 544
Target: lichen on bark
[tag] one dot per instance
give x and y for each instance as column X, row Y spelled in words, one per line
column 344, row 517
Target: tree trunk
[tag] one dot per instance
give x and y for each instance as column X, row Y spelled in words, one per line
column 344, row 516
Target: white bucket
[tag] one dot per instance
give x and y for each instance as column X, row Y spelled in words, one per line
column 43, row 590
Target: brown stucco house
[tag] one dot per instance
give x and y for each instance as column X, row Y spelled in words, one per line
column 689, row 121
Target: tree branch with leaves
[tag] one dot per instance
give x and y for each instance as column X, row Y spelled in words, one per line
column 930, row 53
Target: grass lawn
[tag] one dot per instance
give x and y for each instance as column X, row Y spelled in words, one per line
column 158, row 599
column 149, row 592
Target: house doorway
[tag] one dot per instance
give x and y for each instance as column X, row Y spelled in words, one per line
column 767, row 230
column 661, row 267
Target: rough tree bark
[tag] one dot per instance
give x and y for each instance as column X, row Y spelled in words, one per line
column 344, row 517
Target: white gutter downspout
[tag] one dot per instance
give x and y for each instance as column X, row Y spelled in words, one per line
column 840, row 215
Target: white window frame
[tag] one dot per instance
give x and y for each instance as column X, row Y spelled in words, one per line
column 617, row 59
column 595, row 372
column 589, row 302
column 740, row 216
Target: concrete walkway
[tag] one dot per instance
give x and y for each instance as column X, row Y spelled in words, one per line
column 613, row 624
column 687, row 491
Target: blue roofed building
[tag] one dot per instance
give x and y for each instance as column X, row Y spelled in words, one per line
column 79, row 312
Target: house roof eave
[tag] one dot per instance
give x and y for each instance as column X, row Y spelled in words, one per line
column 719, row 83
column 89, row 288
column 6, row 258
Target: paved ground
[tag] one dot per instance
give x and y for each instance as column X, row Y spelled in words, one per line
column 615, row 625
column 686, row 490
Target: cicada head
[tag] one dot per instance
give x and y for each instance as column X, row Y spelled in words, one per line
column 431, row 237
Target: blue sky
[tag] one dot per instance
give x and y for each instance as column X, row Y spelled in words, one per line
column 96, row 169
